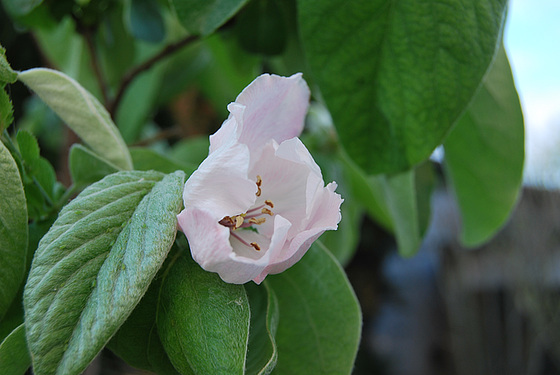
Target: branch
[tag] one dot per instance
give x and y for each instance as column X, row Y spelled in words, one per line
column 129, row 77
column 88, row 37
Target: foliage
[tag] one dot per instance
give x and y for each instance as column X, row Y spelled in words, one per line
column 88, row 232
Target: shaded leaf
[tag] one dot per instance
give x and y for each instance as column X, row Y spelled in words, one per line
column 14, row 357
column 87, row 167
column 144, row 20
column 146, row 159
column 204, row 16
column 320, row 319
column 80, row 111
column 484, row 155
column 20, row 7
column 7, row 74
column 6, row 110
column 262, row 352
column 13, row 229
column 396, row 75
column 203, row 321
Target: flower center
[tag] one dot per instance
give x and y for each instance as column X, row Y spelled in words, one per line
column 254, row 216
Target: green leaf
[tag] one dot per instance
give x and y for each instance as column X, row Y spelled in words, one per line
column 14, row 356
column 204, row 16
column 144, row 20
column 20, row 7
column 80, row 111
column 320, row 319
column 146, row 159
column 7, row 74
column 87, row 167
column 137, row 341
column 484, row 155
column 6, row 110
column 262, row 352
column 203, row 321
column 191, row 150
column 261, row 27
column 94, row 265
column 28, row 146
column 396, row 75
column 13, row 229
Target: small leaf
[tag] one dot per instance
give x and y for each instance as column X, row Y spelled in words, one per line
column 484, row 155
column 204, row 16
column 262, row 352
column 80, row 111
column 13, row 229
column 87, row 167
column 320, row 319
column 144, row 20
column 69, row 257
column 6, row 110
column 146, row 159
column 14, row 356
column 396, row 75
column 203, row 321
column 28, row 146
column 7, row 74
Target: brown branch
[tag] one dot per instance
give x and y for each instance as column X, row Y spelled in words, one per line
column 161, row 135
column 129, row 77
column 88, row 37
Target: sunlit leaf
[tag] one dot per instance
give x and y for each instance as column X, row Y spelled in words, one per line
column 484, row 155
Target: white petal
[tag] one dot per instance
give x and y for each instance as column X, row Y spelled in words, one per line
column 230, row 129
column 275, row 108
column 220, row 184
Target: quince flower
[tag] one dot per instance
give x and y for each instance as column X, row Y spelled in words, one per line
column 258, row 201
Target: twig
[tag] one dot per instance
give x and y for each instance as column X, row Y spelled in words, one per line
column 129, row 77
column 95, row 65
column 163, row 134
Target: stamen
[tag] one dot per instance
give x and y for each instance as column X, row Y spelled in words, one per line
column 256, row 246
column 227, row 222
column 267, row 211
column 257, row 221
column 269, row 203
column 238, row 221
column 259, row 183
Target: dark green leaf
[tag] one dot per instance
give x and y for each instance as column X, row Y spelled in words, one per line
column 43, row 174
column 397, row 74
column 320, row 319
column 484, row 155
column 262, row 353
column 13, row 229
column 204, row 16
column 192, row 150
column 63, row 282
column 80, row 111
column 20, row 7
column 144, row 20
column 146, row 159
column 203, row 321
column 14, row 356
column 261, row 27
column 7, row 75
column 87, row 167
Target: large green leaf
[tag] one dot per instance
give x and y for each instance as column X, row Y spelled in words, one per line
column 320, row 319
column 203, row 321
column 484, row 155
column 80, row 111
column 95, row 264
column 13, row 229
column 397, row 74
column 204, row 16
column 14, row 357
column 262, row 352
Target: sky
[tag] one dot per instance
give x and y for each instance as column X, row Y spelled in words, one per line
column 532, row 40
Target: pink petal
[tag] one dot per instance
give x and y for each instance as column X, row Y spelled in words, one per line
column 275, row 108
column 220, row 184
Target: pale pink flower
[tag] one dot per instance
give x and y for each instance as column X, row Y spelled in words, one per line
column 258, row 201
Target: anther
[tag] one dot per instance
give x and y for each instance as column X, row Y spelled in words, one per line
column 259, row 183
column 257, row 220
column 238, row 221
column 255, row 246
column 267, row 211
column 269, row 203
